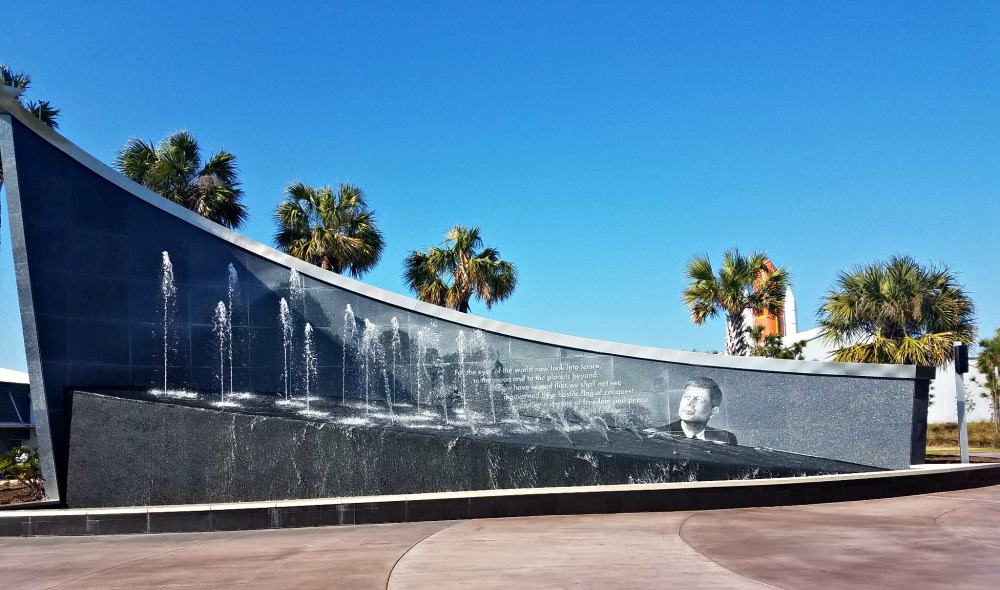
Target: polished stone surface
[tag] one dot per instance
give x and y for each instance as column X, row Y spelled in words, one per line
column 931, row 541
column 128, row 451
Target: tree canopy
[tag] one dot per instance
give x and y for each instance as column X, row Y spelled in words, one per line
column 897, row 311
column 334, row 230
column 742, row 283
column 42, row 109
column 988, row 364
column 173, row 168
column 461, row 268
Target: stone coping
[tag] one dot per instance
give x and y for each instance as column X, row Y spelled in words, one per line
column 493, row 495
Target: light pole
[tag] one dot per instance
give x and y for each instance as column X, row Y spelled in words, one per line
column 960, row 363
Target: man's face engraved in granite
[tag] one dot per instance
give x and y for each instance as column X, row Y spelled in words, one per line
column 696, row 406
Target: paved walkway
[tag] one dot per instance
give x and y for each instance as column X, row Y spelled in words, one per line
column 938, row 540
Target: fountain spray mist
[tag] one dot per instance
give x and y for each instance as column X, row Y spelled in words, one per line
column 169, row 294
column 285, row 317
column 469, row 414
column 219, row 326
column 428, row 342
column 395, row 344
column 369, row 356
column 350, row 335
column 439, row 370
column 309, row 353
column 232, row 292
column 296, row 309
column 480, row 345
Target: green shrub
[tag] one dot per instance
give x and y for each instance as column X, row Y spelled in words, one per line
column 21, row 463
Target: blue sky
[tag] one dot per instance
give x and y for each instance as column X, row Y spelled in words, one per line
column 598, row 145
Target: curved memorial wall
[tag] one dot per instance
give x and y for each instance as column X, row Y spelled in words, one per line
column 173, row 360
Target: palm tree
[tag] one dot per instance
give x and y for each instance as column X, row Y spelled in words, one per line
column 333, row 230
column 773, row 345
column 988, row 364
column 41, row 109
column 449, row 276
column 743, row 283
column 173, row 169
column 897, row 312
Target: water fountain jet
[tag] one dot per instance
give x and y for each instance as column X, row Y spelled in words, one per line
column 220, row 323
column 309, row 358
column 232, row 293
column 285, row 318
column 349, row 336
column 168, row 292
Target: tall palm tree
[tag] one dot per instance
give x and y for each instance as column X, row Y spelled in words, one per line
column 988, row 364
column 174, row 169
column 332, row 229
column 743, row 283
column 897, row 312
column 41, row 109
column 449, row 276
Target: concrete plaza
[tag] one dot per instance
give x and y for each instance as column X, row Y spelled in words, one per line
column 936, row 540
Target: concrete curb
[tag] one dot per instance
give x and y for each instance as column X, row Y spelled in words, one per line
column 495, row 503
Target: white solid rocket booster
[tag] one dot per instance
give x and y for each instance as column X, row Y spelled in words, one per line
column 791, row 321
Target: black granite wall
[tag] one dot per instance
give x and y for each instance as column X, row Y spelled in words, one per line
column 88, row 255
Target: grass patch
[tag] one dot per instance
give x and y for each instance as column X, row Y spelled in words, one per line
column 982, row 435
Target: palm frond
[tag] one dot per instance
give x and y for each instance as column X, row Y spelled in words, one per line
column 40, row 109
column 136, row 159
column 8, row 77
column 44, row 112
column 217, row 201
column 222, row 165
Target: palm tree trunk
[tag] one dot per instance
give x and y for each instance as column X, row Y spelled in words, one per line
column 736, row 335
column 996, row 412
